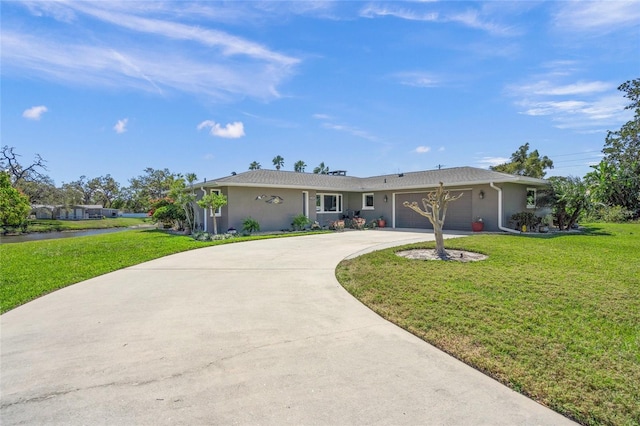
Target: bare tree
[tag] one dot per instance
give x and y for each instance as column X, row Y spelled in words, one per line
column 435, row 209
column 10, row 164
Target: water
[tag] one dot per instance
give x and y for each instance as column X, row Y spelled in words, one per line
column 36, row 236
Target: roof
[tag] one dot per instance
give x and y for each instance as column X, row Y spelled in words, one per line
column 456, row 176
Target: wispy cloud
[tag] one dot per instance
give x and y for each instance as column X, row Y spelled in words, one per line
column 321, row 116
column 418, row 79
column 329, row 123
column 121, row 126
column 491, row 161
column 34, row 113
column 600, row 16
column 351, row 130
column 580, row 105
column 470, row 17
column 233, row 130
column 193, row 59
column 422, row 149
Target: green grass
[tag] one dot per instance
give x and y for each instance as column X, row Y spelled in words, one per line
column 554, row 317
column 45, row 225
column 32, row 269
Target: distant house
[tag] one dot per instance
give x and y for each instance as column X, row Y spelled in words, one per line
column 72, row 212
column 274, row 197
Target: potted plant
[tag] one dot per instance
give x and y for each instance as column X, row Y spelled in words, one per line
column 545, row 221
column 381, row 222
column 477, row 225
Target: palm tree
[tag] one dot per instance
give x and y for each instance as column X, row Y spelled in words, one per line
column 299, row 166
column 321, row 169
column 254, row 166
column 278, row 161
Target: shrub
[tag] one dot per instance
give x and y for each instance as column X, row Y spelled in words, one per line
column 250, row 225
column 611, row 214
column 300, row 222
column 525, row 218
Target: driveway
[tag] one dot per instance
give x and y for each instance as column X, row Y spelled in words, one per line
column 251, row 333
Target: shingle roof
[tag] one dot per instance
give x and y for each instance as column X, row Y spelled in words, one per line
column 456, row 176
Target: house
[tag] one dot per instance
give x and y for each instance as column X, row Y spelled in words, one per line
column 72, row 212
column 274, row 197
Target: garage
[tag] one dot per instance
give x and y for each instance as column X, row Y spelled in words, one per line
column 458, row 212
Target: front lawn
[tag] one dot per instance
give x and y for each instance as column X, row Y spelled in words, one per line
column 35, row 268
column 555, row 317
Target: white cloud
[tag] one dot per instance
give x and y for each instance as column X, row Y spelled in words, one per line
column 423, row 149
column 582, row 106
column 321, row 116
column 471, row 18
column 121, row 126
column 600, row 16
column 418, row 79
column 193, row 59
column 577, row 88
column 233, row 130
column 441, row 149
column 208, row 157
column 34, row 113
column 492, row 161
column 351, row 130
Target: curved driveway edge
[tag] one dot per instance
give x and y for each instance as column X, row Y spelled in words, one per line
column 252, row 333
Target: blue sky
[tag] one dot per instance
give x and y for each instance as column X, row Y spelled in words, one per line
column 368, row 87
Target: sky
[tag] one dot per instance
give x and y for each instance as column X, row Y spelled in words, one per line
column 372, row 88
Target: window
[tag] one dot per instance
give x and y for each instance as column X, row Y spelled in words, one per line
column 367, row 201
column 329, row 203
column 219, row 209
column 531, row 198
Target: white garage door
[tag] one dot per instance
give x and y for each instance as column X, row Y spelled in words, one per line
column 458, row 212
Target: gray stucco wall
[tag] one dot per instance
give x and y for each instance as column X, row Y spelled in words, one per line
column 270, row 216
column 242, row 203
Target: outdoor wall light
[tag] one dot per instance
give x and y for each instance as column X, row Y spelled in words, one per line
column 385, row 199
column 481, row 194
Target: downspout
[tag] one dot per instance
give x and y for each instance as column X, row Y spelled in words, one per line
column 204, row 192
column 500, row 227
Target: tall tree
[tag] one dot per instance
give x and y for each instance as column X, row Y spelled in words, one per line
column 29, row 179
column 525, row 163
column 278, row 161
column 568, row 198
column 255, row 166
column 321, row 169
column 42, row 191
column 147, row 187
column 105, row 190
column 183, row 197
column 435, row 210
column 616, row 180
column 17, row 172
column 299, row 166
column 14, row 206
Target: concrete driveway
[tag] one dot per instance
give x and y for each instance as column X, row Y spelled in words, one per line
column 251, row 333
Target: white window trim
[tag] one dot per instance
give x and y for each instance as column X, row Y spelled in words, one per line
column 320, row 209
column 364, row 201
column 535, row 198
column 219, row 209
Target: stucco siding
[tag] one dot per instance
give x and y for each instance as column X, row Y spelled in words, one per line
column 274, row 209
column 514, row 201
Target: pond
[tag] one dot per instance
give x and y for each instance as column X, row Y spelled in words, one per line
column 36, row 236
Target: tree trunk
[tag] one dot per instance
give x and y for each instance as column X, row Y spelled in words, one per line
column 215, row 225
column 440, row 251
